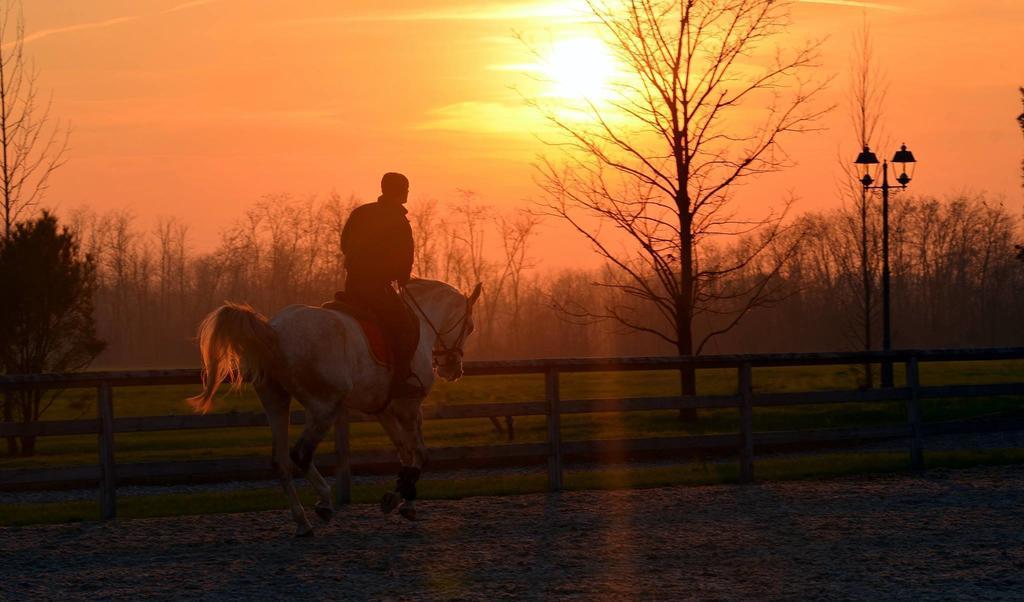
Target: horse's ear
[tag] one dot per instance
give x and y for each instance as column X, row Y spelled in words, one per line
column 475, row 294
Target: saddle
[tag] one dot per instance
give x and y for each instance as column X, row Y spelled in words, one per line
column 377, row 341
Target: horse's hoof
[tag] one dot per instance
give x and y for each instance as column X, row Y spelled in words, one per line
column 408, row 512
column 389, row 502
column 306, row 531
column 326, row 513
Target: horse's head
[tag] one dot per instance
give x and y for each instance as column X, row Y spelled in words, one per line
column 451, row 340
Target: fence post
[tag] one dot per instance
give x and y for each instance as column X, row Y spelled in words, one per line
column 343, row 466
column 108, row 479
column 914, row 416
column 551, row 395
column 746, row 385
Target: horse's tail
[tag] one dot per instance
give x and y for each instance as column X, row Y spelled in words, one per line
column 229, row 337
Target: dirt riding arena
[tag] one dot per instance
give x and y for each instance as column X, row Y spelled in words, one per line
column 946, row 535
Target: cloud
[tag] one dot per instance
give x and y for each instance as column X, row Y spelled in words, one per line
column 856, row 4
column 565, row 11
column 508, row 11
column 481, row 118
column 188, row 5
column 45, row 33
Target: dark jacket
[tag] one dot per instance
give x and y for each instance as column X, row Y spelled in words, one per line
column 377, row 242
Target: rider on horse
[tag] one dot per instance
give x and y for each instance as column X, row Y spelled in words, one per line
column 378, row 246
column 304, row 353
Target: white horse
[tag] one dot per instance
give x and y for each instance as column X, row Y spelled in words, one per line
column 322, row 358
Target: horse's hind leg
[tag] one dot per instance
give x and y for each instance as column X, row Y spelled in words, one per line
column 276, row 404
column 324, row 504
column 320, row 416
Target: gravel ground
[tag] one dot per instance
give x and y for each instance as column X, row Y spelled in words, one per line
column 950, row 534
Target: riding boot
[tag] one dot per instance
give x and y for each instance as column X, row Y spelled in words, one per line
column 400, row 327
column 405, row 384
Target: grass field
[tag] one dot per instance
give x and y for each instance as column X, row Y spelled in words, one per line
column 255, row 442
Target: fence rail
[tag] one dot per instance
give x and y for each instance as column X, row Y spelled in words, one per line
column 107, row 472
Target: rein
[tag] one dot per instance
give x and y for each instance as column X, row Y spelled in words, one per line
column 446, row 351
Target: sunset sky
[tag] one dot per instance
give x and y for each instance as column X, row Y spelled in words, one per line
column 183, row 107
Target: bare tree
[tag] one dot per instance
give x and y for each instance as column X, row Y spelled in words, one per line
column 464, row 256
column 171, row 237
column 32, row 147
column 426, row 225
column 1020, row 120
column 516, row 232
column 471, row 233
column 868, row 89
column 953, row 261
column 703, row 110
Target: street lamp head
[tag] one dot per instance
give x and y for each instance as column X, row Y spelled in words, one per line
column 903, row 157
column 867, row 159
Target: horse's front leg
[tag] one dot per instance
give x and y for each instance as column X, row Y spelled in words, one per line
column 403, row 424
column 413, row 422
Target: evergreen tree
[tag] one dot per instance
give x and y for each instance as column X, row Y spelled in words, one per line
column 46, row 310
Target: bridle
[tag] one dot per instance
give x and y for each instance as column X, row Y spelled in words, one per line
column 450, row 354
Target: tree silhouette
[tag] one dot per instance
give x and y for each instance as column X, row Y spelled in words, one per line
column 649, row 176
column 31, row 147
column 867, row 93
column 47, row 310
column 1020, row 120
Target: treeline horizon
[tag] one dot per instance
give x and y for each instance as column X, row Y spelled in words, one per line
column 956, row 279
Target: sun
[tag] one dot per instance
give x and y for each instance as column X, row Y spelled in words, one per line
column 580, row 69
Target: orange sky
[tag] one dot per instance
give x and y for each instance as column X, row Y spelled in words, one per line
column 181, row 107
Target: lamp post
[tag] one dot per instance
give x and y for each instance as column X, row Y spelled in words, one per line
column 866, row 158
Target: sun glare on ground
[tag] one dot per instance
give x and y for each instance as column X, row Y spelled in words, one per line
column 580, row 69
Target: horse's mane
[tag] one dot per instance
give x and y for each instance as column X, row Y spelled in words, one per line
column 427, row 287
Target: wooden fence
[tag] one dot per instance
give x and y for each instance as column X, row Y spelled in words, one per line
column 745, row 399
